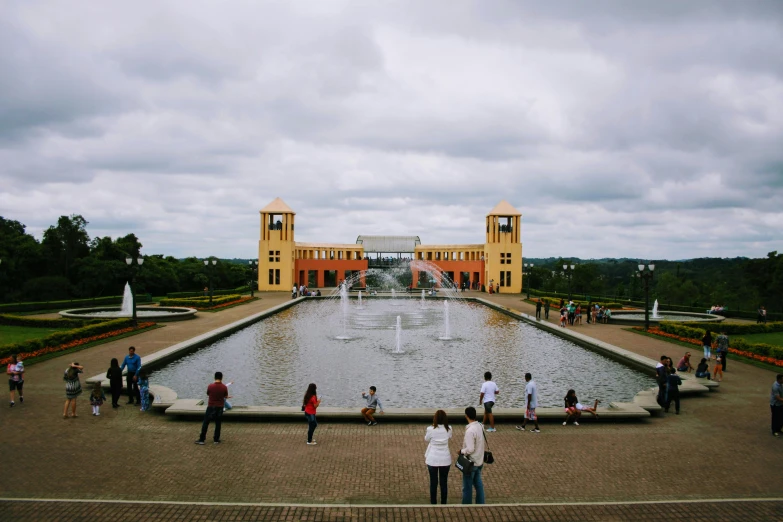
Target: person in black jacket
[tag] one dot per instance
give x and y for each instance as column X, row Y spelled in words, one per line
column 661, row 377
column 115, row 382
column 538, row 309
column 673, row 391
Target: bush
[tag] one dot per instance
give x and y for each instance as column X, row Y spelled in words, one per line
column 200, row 302
column 689, row 332
column 739, row 329
column 184, row 295
column 67, row 336
column 72, row 303
column 15, row 320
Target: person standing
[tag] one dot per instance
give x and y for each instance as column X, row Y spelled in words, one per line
column 538, row 309
column 662, row 378
column 144, row 391
column 776, row 405
column 114, row 374
column 217, row 393
column 487, row 398
column 589, row 311
column 531, row 403
column 15, row 371
column 473, row 448
column 437, row 457
column 706, row 342
column 293, row 292
column 546, row 309
column 673, row 391
column 723, row 348
column 133, row 363
column 73, row 388
column 310, row 405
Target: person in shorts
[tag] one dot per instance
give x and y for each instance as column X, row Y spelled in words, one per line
column 15, row 371
column 487, row 398
column 531, row 403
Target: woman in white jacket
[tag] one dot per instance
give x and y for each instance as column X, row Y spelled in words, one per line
column 437, row 457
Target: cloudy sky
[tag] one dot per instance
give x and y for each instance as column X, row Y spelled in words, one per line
column 618, row 129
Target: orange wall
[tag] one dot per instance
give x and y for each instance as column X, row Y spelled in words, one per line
column 457, row 266
column 340, row 265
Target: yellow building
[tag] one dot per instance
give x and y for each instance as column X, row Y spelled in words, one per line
column 284, row 263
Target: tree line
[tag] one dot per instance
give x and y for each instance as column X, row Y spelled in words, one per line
column 739, row 283
column 68, row 264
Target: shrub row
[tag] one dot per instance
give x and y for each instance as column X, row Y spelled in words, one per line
column 183, row 295
column 17, row 320
column 556, row 301
column 688, row 331
column 200, row 302
column 738, row 329
column 67, row 336
column 73, row 303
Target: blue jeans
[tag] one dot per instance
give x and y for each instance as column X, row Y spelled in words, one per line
column 469, row 481
column 312, row 424
column 213, row 412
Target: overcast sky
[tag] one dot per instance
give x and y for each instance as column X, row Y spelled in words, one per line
column 619, row 129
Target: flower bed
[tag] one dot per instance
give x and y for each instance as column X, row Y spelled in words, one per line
column 25, row 355
column 765, row 353
column 226, row 305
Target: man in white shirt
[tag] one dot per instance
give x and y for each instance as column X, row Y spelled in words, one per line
column 473, row 447
column 488, row 391
column 531, row 403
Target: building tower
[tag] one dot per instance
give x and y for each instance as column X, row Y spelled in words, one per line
column 503, row 249
column 276, row 248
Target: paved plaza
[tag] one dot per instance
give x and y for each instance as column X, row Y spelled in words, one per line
column 719, row 447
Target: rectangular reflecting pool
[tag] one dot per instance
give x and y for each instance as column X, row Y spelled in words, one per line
column 271, row 362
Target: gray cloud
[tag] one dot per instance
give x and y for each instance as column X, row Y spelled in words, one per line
column 617, row 128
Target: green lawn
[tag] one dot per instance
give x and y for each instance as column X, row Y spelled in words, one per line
column 774, row 338
column 18, row 334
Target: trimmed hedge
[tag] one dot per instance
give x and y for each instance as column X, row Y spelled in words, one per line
column 67, row 336
column 184, row 295
column 16, row 320
column 200, row 302
column 738, row 329
column 556, row 301
column 73, row 303
column 690, row 332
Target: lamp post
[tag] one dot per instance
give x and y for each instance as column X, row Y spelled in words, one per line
column 139, row 262
column 209, row 277
column 253, row 279
column 528, row 271
column 569, row 270
column 646, row 273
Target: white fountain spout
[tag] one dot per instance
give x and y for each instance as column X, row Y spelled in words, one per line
column 398, row 348
column 446, row 322
column 423, row 297
column 394, row 294
column 655, row 310
column 360, row 298
column 127, row 301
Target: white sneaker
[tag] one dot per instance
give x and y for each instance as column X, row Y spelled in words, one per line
column 576, row 423
column 97, row 414
column 312, row 443
column 535, row 431
column 521, row 428
column 567, row 423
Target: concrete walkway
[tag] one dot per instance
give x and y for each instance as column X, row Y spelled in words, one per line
column 719, row 447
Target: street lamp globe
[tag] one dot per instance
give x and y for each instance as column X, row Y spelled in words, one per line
column 214, row 261
column 140, row 260
column 641, row 268
column 129, row 260
column 651, row 266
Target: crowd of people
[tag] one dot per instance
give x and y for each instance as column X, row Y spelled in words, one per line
column 572, row 314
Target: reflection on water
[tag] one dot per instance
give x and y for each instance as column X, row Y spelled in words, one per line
column 271, row 362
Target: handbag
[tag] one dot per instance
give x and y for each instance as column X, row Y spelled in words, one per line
column 488, row 458
column 464, row 464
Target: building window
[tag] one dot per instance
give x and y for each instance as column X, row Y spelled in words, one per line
column 277, row 276
column 508, row 258
column 271, row 258
column 502, row 262
column 271, row 276
column 508, row 278
column 502, row 278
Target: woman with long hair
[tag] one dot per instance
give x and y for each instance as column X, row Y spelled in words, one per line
column 310, row 405
column 114, row 374
column 73, row 388
column 437, row 457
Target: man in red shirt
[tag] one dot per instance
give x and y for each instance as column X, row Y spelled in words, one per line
column 218, row 393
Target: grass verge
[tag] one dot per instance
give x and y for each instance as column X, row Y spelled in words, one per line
column 697, row 350
column 75, row 349
column 220, row 309
column 19, row 334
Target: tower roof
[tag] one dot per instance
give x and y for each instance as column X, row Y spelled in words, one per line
column 277, row 206
column 504, row 208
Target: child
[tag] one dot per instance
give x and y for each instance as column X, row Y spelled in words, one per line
column 144, row 390
column 571, row 401
column 718, row 367
column 96, row 398
column 372, row 401
column 114, row 374
column 563, row 317
column 226, row 404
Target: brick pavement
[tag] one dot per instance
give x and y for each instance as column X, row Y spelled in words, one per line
column 718, row 447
